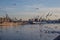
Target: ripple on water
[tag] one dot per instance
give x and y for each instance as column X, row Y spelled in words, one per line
column 29, row 32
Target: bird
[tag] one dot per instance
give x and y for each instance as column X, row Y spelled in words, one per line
column 14, row 4
column 37, row 8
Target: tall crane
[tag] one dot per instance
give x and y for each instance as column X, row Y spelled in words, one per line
column 48, row 15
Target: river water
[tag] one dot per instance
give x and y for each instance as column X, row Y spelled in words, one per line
column 29, row 32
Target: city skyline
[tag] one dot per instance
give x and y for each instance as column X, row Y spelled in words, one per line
column 29, row 8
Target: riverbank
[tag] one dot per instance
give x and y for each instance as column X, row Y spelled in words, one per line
column 12, row 23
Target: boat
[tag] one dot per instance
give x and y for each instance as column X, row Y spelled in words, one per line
column 34, row 22
column 39, row 22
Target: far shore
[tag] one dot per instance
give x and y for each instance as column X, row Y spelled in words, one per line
column 12, row 23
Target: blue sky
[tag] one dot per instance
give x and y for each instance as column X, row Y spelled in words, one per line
column 28, row 8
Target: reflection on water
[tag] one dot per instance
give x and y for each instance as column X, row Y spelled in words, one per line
column 29, row 32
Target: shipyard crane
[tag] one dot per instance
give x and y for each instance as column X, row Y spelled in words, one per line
column 48, row 15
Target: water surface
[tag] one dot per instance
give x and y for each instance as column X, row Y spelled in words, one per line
column 29, row 32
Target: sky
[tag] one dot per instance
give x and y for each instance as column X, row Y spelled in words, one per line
column 30, row 8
